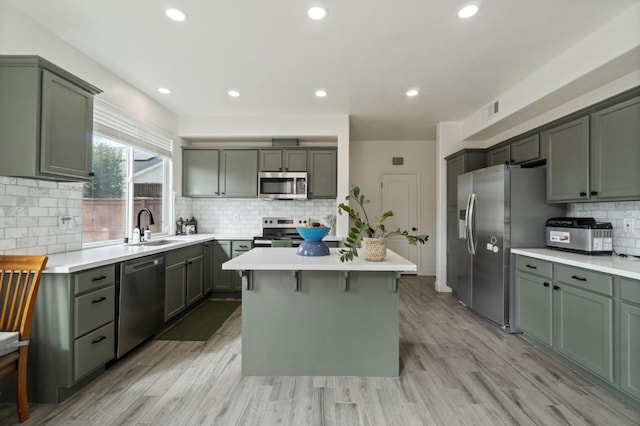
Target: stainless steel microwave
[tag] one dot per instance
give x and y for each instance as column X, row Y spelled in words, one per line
column 282, row 185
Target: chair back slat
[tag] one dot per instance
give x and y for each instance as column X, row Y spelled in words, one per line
column 19, row 281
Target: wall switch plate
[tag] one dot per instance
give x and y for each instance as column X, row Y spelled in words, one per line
column 627, row 224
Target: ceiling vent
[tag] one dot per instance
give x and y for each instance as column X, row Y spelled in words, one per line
column 284, row 142
column 490, row 110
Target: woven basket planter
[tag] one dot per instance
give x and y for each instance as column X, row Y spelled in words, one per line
column 374, row 249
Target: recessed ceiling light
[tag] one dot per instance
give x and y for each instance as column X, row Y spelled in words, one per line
column 321, row 93
column 468, row 10
column 164, row 90
column 317, row 12
column 233, row 93
column 176, row 15
column 412, row 92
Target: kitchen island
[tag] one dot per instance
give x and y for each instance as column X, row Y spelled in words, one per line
column 317, row 316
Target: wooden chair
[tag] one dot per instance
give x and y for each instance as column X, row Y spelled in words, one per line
column 19, row 281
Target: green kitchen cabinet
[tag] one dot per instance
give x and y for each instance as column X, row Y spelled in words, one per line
column 323, row 173
column 533, row 298
column 629, row 343
column 200, row 169
column 499, row 155
column 283, row 160
column 46, row 121
column 615, row 152
column 239, row 173
column 568, row 161
column 223, row 281
column 184, row 279
column 239, row 247
column 209, row 267
column 526, row 149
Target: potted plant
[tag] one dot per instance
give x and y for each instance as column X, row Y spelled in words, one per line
column 370, row 235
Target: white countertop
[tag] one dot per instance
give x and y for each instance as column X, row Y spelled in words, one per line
column 614, row 265
column 286, row 259
column 79, row 260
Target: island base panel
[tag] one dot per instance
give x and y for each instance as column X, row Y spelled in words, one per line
column 320, row 330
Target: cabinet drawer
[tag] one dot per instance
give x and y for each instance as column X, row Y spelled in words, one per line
column 534, row 266
column 239, row 247
column 630, row 290
column 93, row 350
column 94, row 278
column 583, row 278
column 93, row 310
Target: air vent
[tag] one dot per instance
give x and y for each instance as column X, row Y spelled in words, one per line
column 490, row 110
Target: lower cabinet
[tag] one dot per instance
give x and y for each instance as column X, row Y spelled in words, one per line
column 223, row 280
column 73, row 332
column 237, row 248
column 184, row 279
column 590, row 318
column 630, row 337
column 209, row 267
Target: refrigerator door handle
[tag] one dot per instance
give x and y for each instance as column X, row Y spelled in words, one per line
column 470, row 226
column 466, row 223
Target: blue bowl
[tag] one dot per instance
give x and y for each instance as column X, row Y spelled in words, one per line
column 313, row 234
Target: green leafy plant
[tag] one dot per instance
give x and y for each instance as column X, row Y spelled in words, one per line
column 364, row 228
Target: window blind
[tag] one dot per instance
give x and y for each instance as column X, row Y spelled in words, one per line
column 111, row 122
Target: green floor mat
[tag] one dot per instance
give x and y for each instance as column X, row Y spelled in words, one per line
column 202, row 322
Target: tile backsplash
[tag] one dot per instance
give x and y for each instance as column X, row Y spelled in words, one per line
column 29, row 212
column 244, row 216
column 615, row 212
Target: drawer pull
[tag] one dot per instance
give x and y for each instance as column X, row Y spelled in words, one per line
column 555, row 287
column 532, row 266
column 98, row 300
column 575, row 277
column 101, row 277
column 583, row 194
column 98, row 340
column 546, row 284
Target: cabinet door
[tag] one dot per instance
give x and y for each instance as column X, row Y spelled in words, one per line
column 455, row 167
column 500, row 155
column 223, row 279
column 209, row 267
column 524, row 150
column 200, row 172
column 270, row 160
column 239, row 173
column 534, row 306
column 615, row 150
column 584, row 329
column 295, row 160
column 175, row 289
column 568, row 161
column 195, row 270
column 323, row 174
column 66, row 129
column 630, row 349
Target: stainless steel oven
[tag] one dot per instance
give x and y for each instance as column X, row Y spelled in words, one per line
column 282, row 185
column 280, row 229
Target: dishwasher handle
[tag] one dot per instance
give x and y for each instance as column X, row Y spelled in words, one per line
column 132, row 269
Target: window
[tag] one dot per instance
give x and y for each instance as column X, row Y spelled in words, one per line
column 131, row 171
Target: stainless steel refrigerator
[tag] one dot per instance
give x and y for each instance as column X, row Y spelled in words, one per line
column 499, row 207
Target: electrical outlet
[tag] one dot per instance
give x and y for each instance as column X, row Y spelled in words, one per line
column 63, row 221
column 627, row 224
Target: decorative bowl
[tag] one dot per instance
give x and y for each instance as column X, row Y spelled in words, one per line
column 313, row 234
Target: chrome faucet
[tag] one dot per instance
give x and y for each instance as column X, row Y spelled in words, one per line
column 151, row 222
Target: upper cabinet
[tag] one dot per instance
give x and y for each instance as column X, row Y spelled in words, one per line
column 323, row 173
column 462, row 162
column 46, row 121
column 615, row 151
column 518, row 151
column 219, row 172
column 499, row 155
column 595, row 157
column 279, row 160
column 568, row 161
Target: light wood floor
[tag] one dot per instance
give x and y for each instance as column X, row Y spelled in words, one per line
column 456, row 369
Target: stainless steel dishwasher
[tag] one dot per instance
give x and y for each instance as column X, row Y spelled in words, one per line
column 140, row 301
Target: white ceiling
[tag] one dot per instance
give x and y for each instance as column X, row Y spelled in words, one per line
column 366, row 54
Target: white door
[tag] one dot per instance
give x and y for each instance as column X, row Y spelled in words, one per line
column 400, row 194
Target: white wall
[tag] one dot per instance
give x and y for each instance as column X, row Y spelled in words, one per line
column 370, row 159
